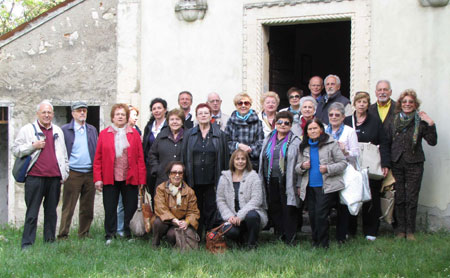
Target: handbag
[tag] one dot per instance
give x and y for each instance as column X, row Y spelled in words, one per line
column 370, row 158
column 137, row 224
column 22, row 163
column 186, row 239
column 147, row 210
column 387, row 202
column 357, row 188
column 215, row 239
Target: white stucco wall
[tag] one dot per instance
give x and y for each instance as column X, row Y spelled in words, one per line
column 410, row 47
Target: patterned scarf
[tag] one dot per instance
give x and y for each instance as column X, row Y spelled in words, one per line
column 120, row 139
column 271, row 147
column 338, row 133
column 176, row 191
column 244, row 118
column 402, row 122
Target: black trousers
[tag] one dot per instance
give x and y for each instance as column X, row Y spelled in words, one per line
column 206, row 202
column 110, row 200
column 283, row 217
column 408, row 179
column 371, row 212
column 36, row 189
column 248, row 231
column 319, row 207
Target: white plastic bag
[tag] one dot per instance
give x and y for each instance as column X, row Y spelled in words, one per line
column 352, row 193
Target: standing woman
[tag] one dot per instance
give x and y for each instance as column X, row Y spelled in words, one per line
column 134, row 116
column 407, row 131
column 294, row 95
column 244, row 129
column 276, row 168
column 167, row 146
column 308, row 106
column 240, row 200
column 369, row 129
column 158, row 108
column 205, row 155
column 321, row 164
column 269, row 102
column 348, row 143
column 119, row 169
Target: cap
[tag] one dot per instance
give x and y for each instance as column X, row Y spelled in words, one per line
column 78, row 105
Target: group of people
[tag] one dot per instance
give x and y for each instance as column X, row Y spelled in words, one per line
column 248, row 170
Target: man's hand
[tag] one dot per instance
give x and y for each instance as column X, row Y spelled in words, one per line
column 40, row 144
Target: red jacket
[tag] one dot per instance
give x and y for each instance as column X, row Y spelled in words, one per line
column 105, row 156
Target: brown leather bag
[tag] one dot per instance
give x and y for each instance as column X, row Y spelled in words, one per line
column 186, row 239
column 215, row 239
column 146, row 209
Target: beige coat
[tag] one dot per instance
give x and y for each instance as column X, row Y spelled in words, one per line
column 166, row 205
column 330, row 155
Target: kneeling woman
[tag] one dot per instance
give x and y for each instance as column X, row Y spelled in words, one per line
column 175, row 206
column 240, row 199
column 321, row 163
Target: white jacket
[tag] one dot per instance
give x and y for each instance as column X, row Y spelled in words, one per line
column 23, row 145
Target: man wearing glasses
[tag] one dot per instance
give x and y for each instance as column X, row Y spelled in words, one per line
column 218, row 117
column 294, row 95
column 315, row 87
column 81, row 142
column 48, row 169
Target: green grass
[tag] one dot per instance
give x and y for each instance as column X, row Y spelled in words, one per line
column 429, row 256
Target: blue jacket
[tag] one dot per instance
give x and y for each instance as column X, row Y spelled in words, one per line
column 69, row 137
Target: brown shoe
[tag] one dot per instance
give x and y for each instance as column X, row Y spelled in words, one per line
column 410, row 237
column 401, row 235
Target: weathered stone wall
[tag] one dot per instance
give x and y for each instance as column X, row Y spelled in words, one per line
column 71, row 57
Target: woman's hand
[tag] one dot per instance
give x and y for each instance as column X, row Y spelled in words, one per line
column 99, row 186
column 342, row 147
column 234, row 220
column 385, row 171
column 182, row 224
column 424, row 117
column 306, row 165
column 323, row 169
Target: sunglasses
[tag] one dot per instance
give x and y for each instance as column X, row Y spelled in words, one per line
column 337, row 115
column 246, row 103
column 294, row 96
column 410, row 101
column 286, row 123
column 179, row 173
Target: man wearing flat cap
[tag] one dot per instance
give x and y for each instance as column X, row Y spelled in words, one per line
column 81, row 142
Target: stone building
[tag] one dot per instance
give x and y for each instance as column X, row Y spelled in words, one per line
column 132, row 51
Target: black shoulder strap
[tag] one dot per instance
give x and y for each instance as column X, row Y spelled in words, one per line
column 35, row 132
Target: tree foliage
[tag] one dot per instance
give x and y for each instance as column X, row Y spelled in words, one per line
column 15, row 12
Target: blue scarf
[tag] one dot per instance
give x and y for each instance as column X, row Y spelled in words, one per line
column 338, row 133
column 244, row 118
column 269, row 152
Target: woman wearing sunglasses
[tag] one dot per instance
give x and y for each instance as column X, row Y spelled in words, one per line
column 244, row 129
column 407, row 131
column 294, row 95
column 276, row 169
column 175, row 206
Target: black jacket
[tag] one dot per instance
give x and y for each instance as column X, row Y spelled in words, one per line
column 372, row 131
column 220, row 144
column 373, row 109
column 324, row 104
column 145, row 144
column 163, row 151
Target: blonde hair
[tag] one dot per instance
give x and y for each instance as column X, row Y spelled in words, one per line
column 360, row 95
column 270, row 94
column 405, row 93
column 240, row 96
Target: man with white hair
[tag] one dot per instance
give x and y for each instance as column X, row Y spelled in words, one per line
column 385, row 105
column 332, row 87
column 218, row 117
column 48, row 169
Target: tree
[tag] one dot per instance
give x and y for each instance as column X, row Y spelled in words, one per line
column 15, row 12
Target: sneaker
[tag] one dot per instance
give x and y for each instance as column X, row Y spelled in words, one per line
column 371, row 238
column 108, row 242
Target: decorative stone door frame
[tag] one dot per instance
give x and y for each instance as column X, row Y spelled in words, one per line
column 259, row 16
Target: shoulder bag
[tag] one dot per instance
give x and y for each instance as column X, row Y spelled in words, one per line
column 215, row 239
column 186, row 239
column 137, row 224
column 22, row 163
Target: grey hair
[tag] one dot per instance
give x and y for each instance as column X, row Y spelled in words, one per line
column 337, row 106
column 338, row 80
column 46, row 102
column 308, row 98
column 384, row 81
column 212, row 94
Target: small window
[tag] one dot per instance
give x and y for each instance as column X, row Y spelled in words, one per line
column 3, row 115
column 63, row 115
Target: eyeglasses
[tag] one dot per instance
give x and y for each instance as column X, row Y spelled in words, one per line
column 286, row 123
column 175, row 173
column 410, row 101
column 337, row 115
column 246, row 103
column 215, row 101
column 294, row 96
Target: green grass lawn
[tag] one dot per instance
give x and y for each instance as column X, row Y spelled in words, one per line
column 429, row 256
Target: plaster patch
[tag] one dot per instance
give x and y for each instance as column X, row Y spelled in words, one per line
column 95, row 15
column 53, row 28
column 30, row 52
column 68, row 22
column 108, row 16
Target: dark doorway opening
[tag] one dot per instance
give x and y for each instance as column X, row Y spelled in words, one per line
column 298, row 52
column 63, row 115
column 4, row 162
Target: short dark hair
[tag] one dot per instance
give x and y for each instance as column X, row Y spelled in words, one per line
column 173, row 163
column 294, row 89
column 322, row 139
column 158, row 100
column 185, row 92
column 118, row 106
column 248, row 164
column 284, row 115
